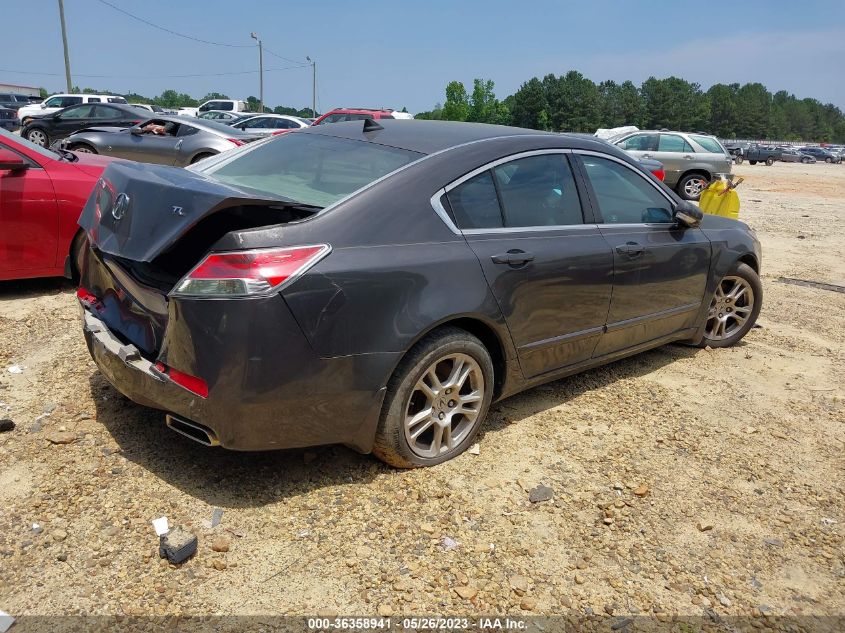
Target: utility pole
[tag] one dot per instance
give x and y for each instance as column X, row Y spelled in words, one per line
column 254, row 36
column 64, row 42
column 313, row 87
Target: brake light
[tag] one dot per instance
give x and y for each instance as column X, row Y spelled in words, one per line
column 235, row 141
column 659, row 174
column 186, row 381
column 249, row 273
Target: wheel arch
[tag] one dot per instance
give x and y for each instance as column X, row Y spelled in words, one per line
column 696, row 170
column 751, row 260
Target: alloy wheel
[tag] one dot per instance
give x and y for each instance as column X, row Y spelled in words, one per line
column 38, row 137
column 82, row 149
column 730, row 308
column 694, row 186
column 444, row 405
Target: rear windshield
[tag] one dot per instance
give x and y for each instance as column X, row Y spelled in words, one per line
column 312, row 169
column 709, row 143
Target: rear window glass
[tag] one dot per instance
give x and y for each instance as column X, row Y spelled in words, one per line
column 310, row 168
column 709, row 143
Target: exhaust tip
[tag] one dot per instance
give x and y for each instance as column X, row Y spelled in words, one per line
column 192, row 430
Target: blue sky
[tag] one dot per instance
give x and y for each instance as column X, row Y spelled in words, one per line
column 395, row 53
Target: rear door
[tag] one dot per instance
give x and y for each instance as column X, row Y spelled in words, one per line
column 660, row 268
column 676, row 154
column 70, row 120
column 548, row 266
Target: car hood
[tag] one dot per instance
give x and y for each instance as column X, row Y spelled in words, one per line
column 93, row 164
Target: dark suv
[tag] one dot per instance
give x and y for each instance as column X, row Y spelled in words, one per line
column 12, row 101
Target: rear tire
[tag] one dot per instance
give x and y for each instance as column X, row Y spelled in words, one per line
column 753, row 162
column 77, row 253
column 770, row 161
column 734, row 307
column 436, row 400
column 738, row 159
column 828, row 160
column 690, row 186
column 805, row 160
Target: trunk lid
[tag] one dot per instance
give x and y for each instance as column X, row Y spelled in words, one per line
column 138, row 211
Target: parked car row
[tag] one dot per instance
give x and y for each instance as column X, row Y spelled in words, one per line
column 760, row 153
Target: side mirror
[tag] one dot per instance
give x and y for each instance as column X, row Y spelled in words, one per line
column 688, row 214
column 136, row 130
column 43, row 105
column 9, row 161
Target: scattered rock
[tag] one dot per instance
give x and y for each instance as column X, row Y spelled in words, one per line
column 450, row 543
column 475, row 449
column 220, row 543
column 62, row 558
column 427, row 527
column 641, row 490
column 579, row 579
column 519, row 584
column 704, row 526
column 384, row 610
column 218, row 564
column 540, row 493
column 723, row 600
column 59, row 535
column 37, row 528
column 60, row 437
column 773, row 542
column 15, row 369
column 6, row 425
column 467, row 593
column 528, row 604
column 177, row 545
column 112, row 530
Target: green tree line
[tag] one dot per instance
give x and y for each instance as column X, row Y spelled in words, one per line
column 574, row 103
column 171, row 99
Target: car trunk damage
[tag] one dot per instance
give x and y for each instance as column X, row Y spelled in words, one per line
column 148, row 226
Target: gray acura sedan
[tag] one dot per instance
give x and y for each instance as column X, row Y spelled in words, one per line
column 379, row 284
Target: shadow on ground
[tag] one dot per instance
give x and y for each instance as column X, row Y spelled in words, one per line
column 232, row 479
column 32, row 288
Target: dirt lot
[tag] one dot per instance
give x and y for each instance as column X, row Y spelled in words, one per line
column 723, row 472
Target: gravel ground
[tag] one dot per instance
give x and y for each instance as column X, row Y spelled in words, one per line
column 683, row 480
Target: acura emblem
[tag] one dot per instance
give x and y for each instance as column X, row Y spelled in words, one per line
column 178, row 211
column 120, row 206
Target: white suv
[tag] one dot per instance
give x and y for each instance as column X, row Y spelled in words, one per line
column 57, row 102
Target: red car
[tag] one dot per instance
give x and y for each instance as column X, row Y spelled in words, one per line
column 353, row 114
column 42, row 193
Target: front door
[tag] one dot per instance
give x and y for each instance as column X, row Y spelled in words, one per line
column 550, row 272
column 660, row 267
column 29, row 220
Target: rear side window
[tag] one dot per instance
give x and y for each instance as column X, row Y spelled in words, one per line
column 673, row 143
column 709, row 143
column 623, row 196
column 475, row 204
column 104, row 112
column 116, row 100
column 94, row 100
column 640, row 143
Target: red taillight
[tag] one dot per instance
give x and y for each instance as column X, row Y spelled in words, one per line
column 235, row 141
column 659, row 174
column 86, row 298
column 248, row 273
column 186, row 381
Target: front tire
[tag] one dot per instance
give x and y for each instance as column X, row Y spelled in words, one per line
column 738, row 159
column 200, row 157
column 805, row 160
column 828, row 160
column 82, row 148
column 753, row 162
column 770, row 161
column 436, row 400
column 39, row 137
column 691, row 186
column 734, row 307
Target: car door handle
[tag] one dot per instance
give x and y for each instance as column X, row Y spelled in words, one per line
column 646, row 155
column 632, row 250
column 513, row 257
column 687, row 157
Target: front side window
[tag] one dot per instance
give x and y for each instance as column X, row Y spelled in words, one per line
column 104, row 112
column 312, row 169
column 623, row 196
column 640, row 143
column 54, row 102
column 673, row 143
column 94, row 100
column 116, row 100
column 225, row 105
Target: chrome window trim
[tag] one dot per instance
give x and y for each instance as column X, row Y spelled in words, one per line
column 441, row 211
column 586, row 152
column 502, row 161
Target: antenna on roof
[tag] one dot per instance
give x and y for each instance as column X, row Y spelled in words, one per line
column 370, row 125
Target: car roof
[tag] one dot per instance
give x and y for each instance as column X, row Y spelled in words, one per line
column 427, row 136
column 220, row 129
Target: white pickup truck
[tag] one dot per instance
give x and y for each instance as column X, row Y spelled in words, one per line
column 227, row 105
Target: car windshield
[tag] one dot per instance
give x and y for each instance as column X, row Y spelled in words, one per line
column 709, row 143
column 43, row 151
column 311, row 169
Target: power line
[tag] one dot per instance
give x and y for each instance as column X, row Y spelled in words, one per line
column 292, row 61
column 241, row 72
column 166, row 30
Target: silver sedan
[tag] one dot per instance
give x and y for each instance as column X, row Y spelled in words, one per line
column 166, row 140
